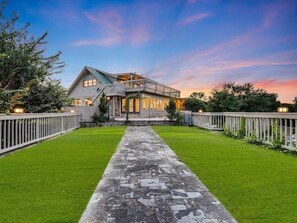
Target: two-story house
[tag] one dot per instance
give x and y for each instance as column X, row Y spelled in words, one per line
column 147, row 98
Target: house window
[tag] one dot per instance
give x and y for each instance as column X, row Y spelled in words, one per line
column 154, row 104
column 137, row 105
column 89, row 83
column 88, row 101
column 77, row 102
column 123, row 105
column 131, row 105
column 134, row 105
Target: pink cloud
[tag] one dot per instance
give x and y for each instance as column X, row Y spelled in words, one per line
column 182, row 80
column 284, row 88
column 139, row 35
column 109, row 41
column 192, row 1
column 275, row 11
column 118, row 27
column 193, row 18
column 110, row 19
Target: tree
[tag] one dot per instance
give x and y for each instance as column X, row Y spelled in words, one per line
column 223, row 101
column 45, row 96
column 23, row 63
column 194, row 104
column 198, row 95
column 171, row 109
column 235, row 97
column 103, row 105
column 295, row 104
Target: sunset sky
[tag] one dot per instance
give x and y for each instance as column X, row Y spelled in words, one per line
column 191, row 45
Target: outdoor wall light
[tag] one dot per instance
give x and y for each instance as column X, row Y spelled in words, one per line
column 18, row 110
column 282, row 109
column 200, row 110
column 72, row 111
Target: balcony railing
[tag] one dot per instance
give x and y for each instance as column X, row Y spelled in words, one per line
column 21, row 130
column 140, row 85
column 265, row 127
column 116, row 89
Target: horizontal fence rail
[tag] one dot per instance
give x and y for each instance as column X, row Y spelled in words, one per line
column 20, row 130
column 271, row 128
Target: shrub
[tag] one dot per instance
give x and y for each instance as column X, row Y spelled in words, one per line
column 241, row 131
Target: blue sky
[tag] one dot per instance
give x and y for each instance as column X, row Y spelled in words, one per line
column 191, row 45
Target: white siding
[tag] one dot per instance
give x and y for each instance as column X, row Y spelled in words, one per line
column 81, row 92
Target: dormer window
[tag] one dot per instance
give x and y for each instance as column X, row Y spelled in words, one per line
column 89, row 83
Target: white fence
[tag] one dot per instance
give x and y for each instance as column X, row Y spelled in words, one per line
column 20, row 130
column 266, row 127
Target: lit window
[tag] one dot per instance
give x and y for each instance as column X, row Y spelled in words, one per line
column 77, row 102
column 89, row 83
column 137, row 105
column 144, row 104
column 123, row 105
column 131, row 105
column 88, row 101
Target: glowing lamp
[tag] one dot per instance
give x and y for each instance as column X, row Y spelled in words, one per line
column 72, row 111
column 18, row 110
column 283, row 109
column 200, row 110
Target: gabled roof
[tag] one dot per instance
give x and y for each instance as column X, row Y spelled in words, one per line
column 102, row 76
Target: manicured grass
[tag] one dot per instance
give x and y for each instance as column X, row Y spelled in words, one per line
column 254, row 184
column 54, row 180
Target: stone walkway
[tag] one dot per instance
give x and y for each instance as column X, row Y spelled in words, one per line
column 145, row 182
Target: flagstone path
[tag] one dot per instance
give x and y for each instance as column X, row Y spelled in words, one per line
column 145, row 182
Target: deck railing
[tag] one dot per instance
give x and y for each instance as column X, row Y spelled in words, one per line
column 265, row 127
column 116, row 89
column 20, row 130
column 140, row 85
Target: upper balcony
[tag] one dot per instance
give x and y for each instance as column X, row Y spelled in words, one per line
column 143, row 85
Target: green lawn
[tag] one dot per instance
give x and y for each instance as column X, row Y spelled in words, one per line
column 254, row 184
column 54, row 180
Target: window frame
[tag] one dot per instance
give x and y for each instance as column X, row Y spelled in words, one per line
column 131, row 105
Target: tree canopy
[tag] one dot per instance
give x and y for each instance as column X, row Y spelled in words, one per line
column 25, row 70
column 242, row 98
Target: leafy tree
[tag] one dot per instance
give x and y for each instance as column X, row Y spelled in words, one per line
column 103, row 108
column 295, row 105
column 198, row 95
column 45, row 96
column 194, row 104
column 23, row 63
column 103, row 105
column 235, row 97
column 171, row 109
column 223, row 101
column 172, row 114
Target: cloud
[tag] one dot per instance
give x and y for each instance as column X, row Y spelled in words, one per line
column 284, row 88
column 139, row 35
column 118, row 26
column 110, row 19
column 275, row 11
column 194, row 18
column 109, row 41
column 192, row 1
column 225, row 62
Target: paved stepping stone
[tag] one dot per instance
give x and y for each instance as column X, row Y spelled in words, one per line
column 145, row 182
